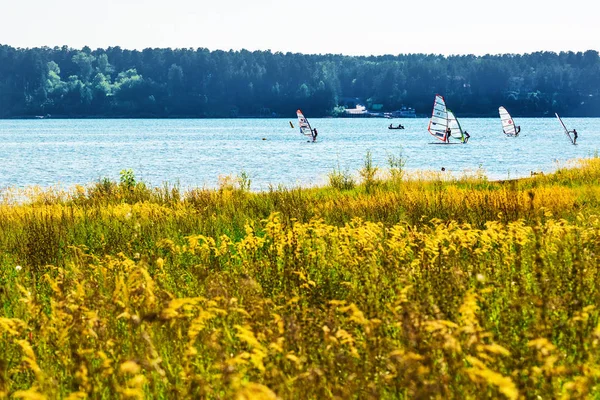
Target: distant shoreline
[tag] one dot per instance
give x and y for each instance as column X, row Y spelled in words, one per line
column 66, row 117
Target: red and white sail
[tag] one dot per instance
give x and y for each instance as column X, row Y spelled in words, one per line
column 508, row 124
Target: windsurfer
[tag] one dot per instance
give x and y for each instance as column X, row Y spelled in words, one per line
column 314, row 135
column 518, row 130
column 448, row 133
column 467, row 136
column 574, row 136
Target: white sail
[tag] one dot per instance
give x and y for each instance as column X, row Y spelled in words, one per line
column 455, row 129
column 305, row 128
column 508, row 125
column 438, row 124
column 565, row 128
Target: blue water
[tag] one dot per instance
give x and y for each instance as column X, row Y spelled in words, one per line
column 194, row 153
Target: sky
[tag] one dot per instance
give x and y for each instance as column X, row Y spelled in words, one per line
column 307, row 26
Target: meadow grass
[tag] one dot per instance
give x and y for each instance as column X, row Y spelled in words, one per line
column 421, row 286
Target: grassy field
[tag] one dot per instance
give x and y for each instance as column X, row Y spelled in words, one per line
column 429, row 287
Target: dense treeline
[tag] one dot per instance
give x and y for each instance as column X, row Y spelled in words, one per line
column 114, row 82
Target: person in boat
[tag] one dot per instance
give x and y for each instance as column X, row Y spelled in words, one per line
column 400, row 126
column 314, row 134
column 391, row 127
column 574, row 131
column 467, row 136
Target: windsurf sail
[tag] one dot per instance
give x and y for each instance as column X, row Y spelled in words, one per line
column 455, row 129
column 438, row 124
column 565, row 128
column 508, row 125
column 305, row 128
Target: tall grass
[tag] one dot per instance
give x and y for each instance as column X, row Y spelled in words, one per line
column 417, row 287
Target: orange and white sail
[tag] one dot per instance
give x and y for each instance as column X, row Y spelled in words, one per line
column 305, row 128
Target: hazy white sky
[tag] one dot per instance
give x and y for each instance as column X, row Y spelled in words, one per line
column 308, row 26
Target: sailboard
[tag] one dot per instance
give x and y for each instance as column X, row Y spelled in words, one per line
column 565, row 128
column 455, row 129
column 508, row 124
column 304, row 125
column 443, row 123
column 438, row 124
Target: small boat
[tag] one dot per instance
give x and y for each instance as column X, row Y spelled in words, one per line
column 305, row 127
column 396, row 127
column 508, row 124
column 567, row 132
column 443, row 125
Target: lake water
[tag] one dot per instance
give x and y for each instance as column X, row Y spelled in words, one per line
column 195, row 152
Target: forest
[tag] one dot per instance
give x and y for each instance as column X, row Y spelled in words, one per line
column 63, row 82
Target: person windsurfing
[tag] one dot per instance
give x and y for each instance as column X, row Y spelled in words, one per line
column 574, row 131
column 314, row 134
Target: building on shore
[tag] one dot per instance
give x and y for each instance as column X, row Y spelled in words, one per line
column 358, row 111
column 404, row 112
column 354, row 107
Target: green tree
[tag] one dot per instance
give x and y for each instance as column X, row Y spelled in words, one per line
column 85, row 63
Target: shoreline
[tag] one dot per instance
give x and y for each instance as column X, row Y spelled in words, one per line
column 235, row 183
column 175, row 117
